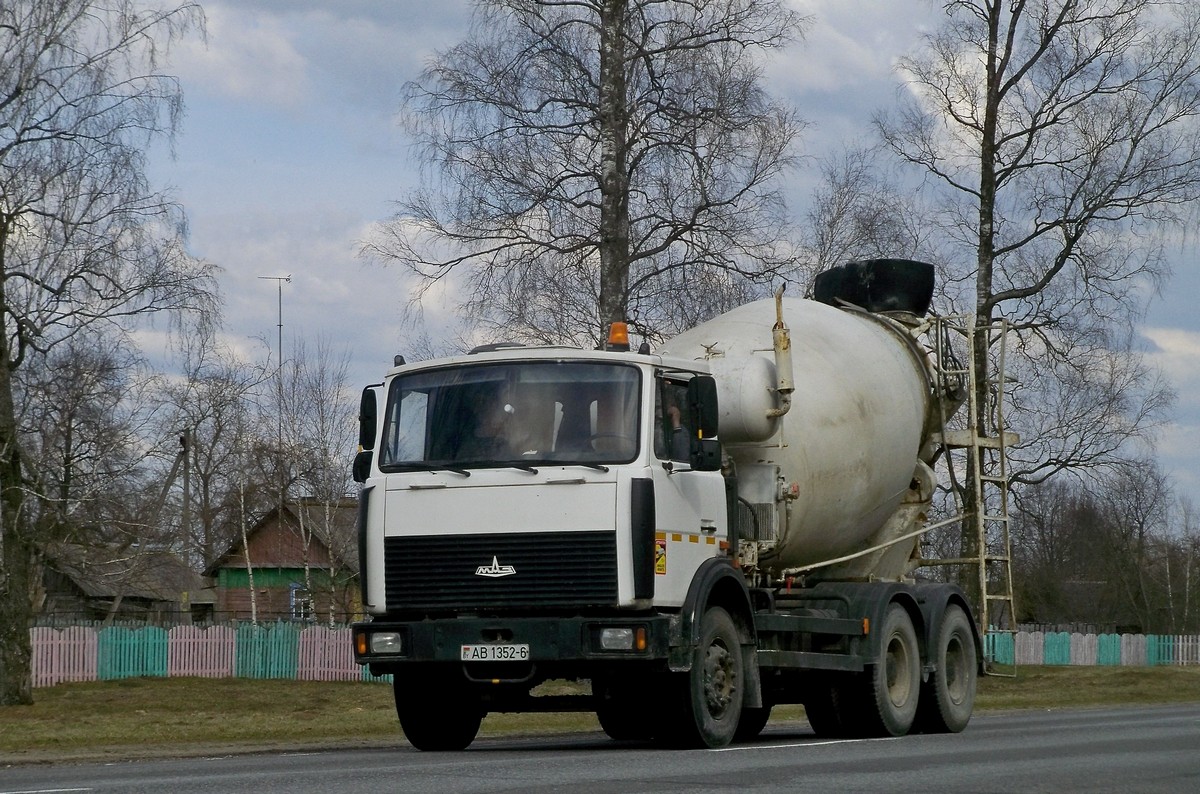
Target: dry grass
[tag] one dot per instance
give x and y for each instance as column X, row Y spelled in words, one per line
column 1073, row 687
column 161, row 714
column 184, row 716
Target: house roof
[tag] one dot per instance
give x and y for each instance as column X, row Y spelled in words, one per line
column 334, row 525
column 153, row 574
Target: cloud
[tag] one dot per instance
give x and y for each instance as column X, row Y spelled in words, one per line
column 1177, row 353
column 1176, row 450
column 839, row 54
column 361, row 307
column 249, row 56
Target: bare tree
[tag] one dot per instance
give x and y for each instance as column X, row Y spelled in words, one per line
column 213, row 409
column 1055, row 553
column 87, row 415
column 85, row 243
column 1185, row 601
column 85, row 412
column 1104, row 548
column 320, row 414
column 860, row 210
column 1059, row 139
column 600, row 160
column 1135, row 502
column 1087, row 407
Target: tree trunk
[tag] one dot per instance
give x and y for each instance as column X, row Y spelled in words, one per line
column 308, row 609
column 246, row 554
column 16, row 546
column 614, row 173
column 970, row 538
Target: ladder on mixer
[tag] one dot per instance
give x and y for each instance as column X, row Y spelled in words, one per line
column 979, row 442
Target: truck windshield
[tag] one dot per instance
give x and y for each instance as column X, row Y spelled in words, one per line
column 512, row 414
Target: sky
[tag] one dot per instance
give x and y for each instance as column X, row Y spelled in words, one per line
column 291, row 151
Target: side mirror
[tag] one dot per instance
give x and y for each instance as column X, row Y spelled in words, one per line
column 368, row 411
column 362, row 465
column 706, row 455
column 702, row 404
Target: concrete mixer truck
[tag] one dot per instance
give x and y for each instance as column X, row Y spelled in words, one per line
column 691, row 536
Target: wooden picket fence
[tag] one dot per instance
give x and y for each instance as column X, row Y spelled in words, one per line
column 1063, row 648
column 279, row 650
column 320, row 653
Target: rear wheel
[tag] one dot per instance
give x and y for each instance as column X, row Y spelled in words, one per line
column 948, row 698
column 828, row 705
column 821, row 713
column 889, row 700
column 439, row 712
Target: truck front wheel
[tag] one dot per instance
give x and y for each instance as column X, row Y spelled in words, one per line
column 624, row 708
column 439, row 712
column 713, row 689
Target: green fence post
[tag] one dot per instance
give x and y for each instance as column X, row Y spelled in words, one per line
column 153, row 661
column 107, row 647
column 1058, row 648
column 999, row 647
column 247, row 651
column 285, row 650
column 1109, row 649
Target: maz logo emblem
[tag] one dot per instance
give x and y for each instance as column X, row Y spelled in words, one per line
column 495, row 570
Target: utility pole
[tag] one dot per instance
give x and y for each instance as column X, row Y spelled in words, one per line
column 185, row 518
column 279, row 280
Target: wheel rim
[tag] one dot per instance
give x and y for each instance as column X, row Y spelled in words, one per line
column 899, row 671
column 720, row 679
column 956, row 672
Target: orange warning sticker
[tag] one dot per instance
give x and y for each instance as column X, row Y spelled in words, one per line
column 660, row 556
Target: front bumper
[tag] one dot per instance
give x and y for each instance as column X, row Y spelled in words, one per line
column 561, row 643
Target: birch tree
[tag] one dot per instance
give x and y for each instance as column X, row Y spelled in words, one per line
column 1059, row 142
column 599, row 160
column 85, row 242
column 320, row 413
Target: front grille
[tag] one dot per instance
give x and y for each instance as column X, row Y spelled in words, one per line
column 550, row 569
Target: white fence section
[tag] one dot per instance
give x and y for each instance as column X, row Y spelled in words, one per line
column 62, row 655
column 203, row 652
column 326, row 655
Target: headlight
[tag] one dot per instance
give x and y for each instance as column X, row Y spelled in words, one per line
column 616, row 639
column 386, row 642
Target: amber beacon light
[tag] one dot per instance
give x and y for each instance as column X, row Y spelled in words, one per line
column 618, row 336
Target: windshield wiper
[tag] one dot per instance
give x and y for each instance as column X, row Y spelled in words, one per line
column 502, row 464
column 416, row 465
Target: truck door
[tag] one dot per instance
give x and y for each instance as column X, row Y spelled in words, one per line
column 690, row 507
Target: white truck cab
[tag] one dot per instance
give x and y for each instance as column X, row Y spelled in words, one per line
column 507, row 480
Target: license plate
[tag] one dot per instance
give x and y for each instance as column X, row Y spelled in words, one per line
column 495, row 652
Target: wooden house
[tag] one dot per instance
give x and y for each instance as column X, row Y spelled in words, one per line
column 129, row 583
column 300, row 562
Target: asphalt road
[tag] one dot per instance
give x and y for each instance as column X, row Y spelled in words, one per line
column 1126, row 750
